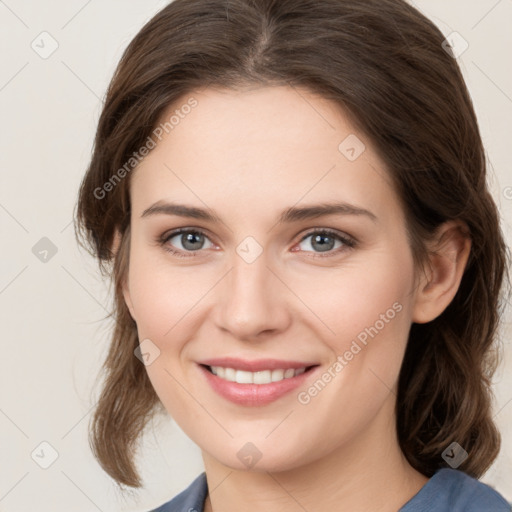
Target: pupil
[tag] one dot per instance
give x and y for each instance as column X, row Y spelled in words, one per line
column 323, row 246
column 189, row 239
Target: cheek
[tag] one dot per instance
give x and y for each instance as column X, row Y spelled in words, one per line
column 163, row 299
column 370, row 315
column 362, row 300
column 369, row 311
column 163, row 295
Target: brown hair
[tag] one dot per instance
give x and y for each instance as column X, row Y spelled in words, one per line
column 383, row 62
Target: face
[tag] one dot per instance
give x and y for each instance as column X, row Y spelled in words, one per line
column 276, row 327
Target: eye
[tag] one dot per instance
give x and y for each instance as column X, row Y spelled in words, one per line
column 190, row 240
column 324, row 241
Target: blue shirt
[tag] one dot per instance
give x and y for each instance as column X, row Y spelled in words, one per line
column 449, row 490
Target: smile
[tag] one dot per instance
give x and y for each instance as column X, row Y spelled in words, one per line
column 255, row 382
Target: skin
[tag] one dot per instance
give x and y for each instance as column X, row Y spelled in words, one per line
column 248, row 155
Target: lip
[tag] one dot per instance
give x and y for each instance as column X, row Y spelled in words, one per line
column 254, row 395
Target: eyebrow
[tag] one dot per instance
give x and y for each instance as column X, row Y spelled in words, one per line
column 289, row 215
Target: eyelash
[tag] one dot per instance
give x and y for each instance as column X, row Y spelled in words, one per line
column 348, row 242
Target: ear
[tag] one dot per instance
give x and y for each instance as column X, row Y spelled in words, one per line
column 449, row 253
column 116, row 244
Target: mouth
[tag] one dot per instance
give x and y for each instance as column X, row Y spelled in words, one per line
column 254, row 383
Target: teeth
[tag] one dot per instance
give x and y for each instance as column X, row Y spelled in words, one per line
column 277, row 375
column 242, row 377
column 261, row 377
column 229, row 374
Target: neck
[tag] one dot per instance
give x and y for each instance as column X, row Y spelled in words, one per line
column 367, row 473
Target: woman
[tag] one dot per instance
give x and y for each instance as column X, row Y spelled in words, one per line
column 329, row 341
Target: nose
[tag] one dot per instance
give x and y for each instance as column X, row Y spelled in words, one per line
column 252, row 301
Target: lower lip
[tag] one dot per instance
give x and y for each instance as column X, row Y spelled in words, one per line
column 254, row 394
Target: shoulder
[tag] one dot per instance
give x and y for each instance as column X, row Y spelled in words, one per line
column 189, row 500
column 455, row 491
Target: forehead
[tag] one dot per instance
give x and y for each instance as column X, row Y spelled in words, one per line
column 255, row 148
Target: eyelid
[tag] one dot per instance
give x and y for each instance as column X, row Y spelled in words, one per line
column 319, row 229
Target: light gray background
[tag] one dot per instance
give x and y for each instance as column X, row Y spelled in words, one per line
column 54, row 335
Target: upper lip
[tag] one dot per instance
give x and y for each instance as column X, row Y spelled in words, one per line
column 256, row 365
